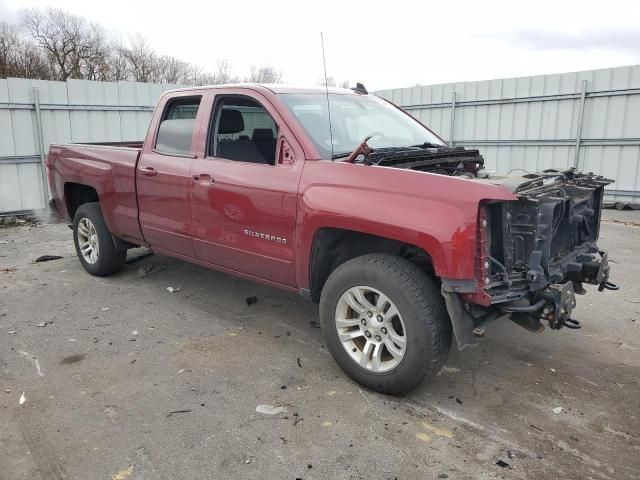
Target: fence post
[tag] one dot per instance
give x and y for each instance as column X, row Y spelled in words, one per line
column 583, row 96
column 43, row 168
column 453, row 117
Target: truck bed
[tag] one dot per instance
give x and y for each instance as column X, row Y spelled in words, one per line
column 109, row 169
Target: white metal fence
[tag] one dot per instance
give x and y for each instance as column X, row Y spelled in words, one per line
column 36, row 113
column 586, row 119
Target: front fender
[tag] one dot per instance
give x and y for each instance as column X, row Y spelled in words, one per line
column 446, row 232
column 433, row 212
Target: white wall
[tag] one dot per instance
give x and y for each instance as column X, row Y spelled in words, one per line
column 531, row 123
column 71, row 111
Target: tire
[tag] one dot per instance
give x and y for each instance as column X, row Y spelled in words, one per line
column 89, row 221
column 421, row 315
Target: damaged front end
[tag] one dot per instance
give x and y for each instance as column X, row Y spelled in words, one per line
column 533, row 255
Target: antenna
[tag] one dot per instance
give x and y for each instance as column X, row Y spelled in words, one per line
column 326, row 89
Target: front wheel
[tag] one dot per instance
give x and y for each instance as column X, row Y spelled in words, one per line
column 94, row 244
column 385, row 322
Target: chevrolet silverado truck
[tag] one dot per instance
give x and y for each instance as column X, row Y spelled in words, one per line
column 404, row 241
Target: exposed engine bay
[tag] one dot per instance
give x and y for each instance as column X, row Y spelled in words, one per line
column 453, row 161
column 534, row 254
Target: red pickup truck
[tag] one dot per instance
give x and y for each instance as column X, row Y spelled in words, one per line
column 343, row 197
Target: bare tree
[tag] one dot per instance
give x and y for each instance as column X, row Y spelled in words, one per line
column 173, row 70
column 18, row 58
column 75, row 47
column 117, row 61
column 141, row 61
column 264, row 74
column 332, row 82
column 220, row 76
column 58, row 45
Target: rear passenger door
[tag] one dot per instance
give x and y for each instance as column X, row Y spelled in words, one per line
column 245, row 186
column 163, row 176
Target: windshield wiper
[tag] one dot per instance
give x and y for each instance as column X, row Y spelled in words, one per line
column 428, row 145
column 340, row 155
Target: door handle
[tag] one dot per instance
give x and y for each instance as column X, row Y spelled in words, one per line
column 204, row 179
column 149, row 172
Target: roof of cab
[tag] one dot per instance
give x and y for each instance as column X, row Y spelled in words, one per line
column 272, row 87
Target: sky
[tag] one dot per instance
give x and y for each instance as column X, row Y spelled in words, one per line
column 381, row 44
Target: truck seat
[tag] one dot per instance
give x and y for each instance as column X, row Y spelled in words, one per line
column 243, row 150
column 266, row 143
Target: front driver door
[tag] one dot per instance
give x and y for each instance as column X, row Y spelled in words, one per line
column 244, row 191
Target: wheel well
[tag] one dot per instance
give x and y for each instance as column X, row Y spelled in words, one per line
column 76, row 194
column 334, row 246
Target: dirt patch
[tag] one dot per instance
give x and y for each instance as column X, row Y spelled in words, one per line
column 73, row 359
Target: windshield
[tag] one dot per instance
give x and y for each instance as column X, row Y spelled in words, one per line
column 353, row 118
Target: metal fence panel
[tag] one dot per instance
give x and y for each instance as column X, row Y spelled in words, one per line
column 544, row 121
column 528, row 123
column 71, row 111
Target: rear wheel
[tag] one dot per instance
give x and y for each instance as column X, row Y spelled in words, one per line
column 385, row 322
column 94, row 244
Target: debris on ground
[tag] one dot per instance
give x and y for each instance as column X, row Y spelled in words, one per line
column 478, row 332
column 458, row 400
column 314, row 324
column 18, row 221
column 73, row 359
column 47, row 258
column 299, row 364
column 135, row 332
column 8, row 269
column 175, row 412
column 553, row 370
column 44, row 324
column 139, row 257
column 22, row 399
column 150, row 269
column 621, row 205
column 251, row 300
column 503, row 464
column 33, row 360
column 173, row 290
column 123, row 474
column 12, row 332
column 557, row 409
column 449, row 370
column 270, row 409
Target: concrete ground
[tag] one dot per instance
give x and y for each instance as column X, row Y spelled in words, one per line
column 124, row 380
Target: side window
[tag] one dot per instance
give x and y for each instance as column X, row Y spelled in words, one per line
column 243, row 130
column 176, row 127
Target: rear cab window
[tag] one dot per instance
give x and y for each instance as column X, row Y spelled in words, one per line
column 175, row 131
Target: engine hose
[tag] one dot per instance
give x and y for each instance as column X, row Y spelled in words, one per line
column 524, row 308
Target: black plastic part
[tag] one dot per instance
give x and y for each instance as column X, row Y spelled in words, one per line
column 608, row 286
column 462, row 320
column 526, row 321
